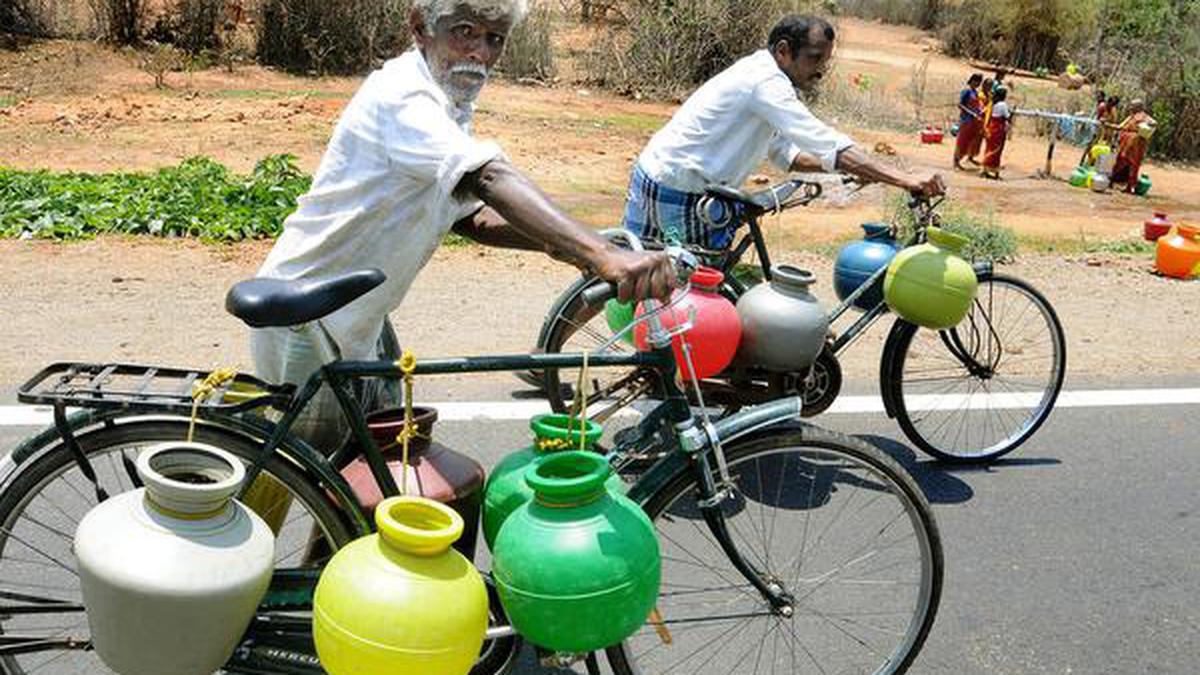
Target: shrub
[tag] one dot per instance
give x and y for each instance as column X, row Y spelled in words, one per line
column 18, row 17
column 989, row 240
column 529, row 53
column 118, row 21
column 671, row 46
column 331, row 36
column 191, row 25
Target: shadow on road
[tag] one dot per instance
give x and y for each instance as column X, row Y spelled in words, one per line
column 938, row 480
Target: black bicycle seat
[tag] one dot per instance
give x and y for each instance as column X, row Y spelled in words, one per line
column 758, row 202
column 281, row 302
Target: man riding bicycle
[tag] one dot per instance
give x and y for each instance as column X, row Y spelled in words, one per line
column 749, row 112
column 401, row 170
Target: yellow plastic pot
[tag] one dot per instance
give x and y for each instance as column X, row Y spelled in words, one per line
column 929, row 284
column 401, row 602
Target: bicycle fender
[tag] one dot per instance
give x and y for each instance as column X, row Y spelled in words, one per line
column 746, row 422
column 255, row 430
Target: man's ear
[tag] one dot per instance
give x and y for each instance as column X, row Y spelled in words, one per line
column 416, row 21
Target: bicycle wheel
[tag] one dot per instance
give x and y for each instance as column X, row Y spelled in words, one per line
column 979, row 390
column 579, row 327
column 841, row 527
column 41, row 506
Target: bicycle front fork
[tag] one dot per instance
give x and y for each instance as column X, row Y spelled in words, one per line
column 710, row 498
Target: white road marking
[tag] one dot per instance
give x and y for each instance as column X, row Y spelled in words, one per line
column 457, row 411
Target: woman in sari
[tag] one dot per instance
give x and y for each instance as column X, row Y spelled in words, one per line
column 998, row 127
column 1133, row 140
column 986, row 90
column 970, row 119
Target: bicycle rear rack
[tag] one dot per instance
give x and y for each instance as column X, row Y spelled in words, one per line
column 150, row 388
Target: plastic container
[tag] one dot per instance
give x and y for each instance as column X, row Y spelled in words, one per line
column 858, row 260
column 506, row 489
column 783, row 325
column 1178, row 253
column 401, row 602
column 172, row 573
column 931, row 135
column 578, row 568
column 619, row 315
column 929, row 284
column 435, row 471
column 1079, row 176
column 717, row 330
column 1099, row 182
column 1142, row 188
column 1098, row 150
column 1156, row 227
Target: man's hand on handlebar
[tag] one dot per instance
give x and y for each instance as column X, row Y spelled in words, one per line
column 638, row 275
column 930, row 186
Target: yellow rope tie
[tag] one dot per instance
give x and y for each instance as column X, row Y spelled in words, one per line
column 552, row 444
column 579, row 405
column 407, row 364
column 205, row 388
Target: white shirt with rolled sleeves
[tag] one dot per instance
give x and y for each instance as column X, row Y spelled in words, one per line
column 383, row 195
column 746, row 113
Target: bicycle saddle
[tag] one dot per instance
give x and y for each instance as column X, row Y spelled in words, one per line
column 758, row 202
column 281, row 302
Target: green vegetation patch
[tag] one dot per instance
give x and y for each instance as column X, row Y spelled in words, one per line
column 989, row 240
column 199, row 198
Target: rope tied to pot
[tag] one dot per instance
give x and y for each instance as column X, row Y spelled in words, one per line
column 408, row 431
column 205, row 388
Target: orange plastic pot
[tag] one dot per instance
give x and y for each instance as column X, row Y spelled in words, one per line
column 1178, row 253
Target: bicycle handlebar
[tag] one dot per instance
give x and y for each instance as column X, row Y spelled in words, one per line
column 684, row 262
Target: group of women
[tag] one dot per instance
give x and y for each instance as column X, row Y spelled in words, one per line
column 984, row 116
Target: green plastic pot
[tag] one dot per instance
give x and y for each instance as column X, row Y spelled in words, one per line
column 929, row 284
column 619, row 315
column 1079, row 176
column 506, row 489
column 1142, row 188
column 578, row 567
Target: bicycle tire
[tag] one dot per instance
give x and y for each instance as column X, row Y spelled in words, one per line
column 917, row 359
column 27, row 492
column 839, row 465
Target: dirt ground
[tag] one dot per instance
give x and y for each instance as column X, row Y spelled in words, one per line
column 76, row 106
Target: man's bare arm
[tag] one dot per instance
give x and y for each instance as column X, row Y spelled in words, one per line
column 487, row 227
column 530, row 213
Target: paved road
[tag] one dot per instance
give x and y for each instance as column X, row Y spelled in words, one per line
column 1077, row 554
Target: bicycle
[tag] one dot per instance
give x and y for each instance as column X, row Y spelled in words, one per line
column 953, row 392
column 775, row 534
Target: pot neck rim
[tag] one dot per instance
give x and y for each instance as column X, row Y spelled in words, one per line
column 954, row 243
column 559, row 431
column 417, row 525
column 791, row 278
column 567, row 479
column 189, row 481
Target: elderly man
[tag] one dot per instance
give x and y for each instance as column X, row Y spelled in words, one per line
column 743, row 115
column 402, row 170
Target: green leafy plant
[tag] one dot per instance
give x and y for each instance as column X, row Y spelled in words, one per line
column 198, row 198
column 989, row 240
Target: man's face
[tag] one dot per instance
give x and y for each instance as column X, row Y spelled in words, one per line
column 461, row 50
column 805, row 66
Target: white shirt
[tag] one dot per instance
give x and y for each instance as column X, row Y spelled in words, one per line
column 724, row 130
column 1000, row 110
column 382, row 195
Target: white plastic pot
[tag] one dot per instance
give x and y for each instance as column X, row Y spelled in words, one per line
column 171, row 573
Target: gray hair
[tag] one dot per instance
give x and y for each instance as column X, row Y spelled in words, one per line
column 513, row 10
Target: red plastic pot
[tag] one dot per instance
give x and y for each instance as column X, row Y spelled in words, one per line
column 931, row 135
column 714, row 337
column 1156, row 227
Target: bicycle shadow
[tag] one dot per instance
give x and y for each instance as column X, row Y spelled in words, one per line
column 939, row 480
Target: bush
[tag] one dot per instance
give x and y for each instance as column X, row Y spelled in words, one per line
column 118, row 21
column 529, row 53
column 671, row 46
column 331, row 36
column 18, row 17
column 199, row 198
column 191, row 25
column 989, row 240
column 922, row 13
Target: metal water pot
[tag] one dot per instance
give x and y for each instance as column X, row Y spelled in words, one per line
column 783, row 324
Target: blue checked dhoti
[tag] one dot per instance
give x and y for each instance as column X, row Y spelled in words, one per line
column 656, row 212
